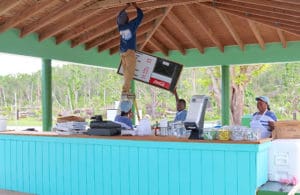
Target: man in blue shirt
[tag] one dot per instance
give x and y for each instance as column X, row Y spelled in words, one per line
column 127, row 31
column 181, row 111
column 126, row 115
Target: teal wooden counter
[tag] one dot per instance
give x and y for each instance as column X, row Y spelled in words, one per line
column 47, row 164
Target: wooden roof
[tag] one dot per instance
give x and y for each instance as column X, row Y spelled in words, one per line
column 167, row 24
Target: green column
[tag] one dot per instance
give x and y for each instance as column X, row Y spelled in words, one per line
column 46, row 94
column 133, row 107
column 225, row 95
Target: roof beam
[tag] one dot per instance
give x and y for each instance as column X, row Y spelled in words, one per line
column 84, row 27
column 295, row 2
column 6, row 5
column 167, row 35
column 26, row 13
column 262, row 20
column 149, row 16
column 276, row 7
column 159, row 46
column 231, row 29
column 256, row 34
column 201, row 22
column 156, row 25
column 264, row 11
column 179, row 24
column 282, row 38
column 52, row 16
column 72, row 19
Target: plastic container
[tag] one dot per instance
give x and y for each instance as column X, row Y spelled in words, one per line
column 284, row 160
column 210, row 133
column 3, row 123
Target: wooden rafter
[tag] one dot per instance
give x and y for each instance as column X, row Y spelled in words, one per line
column 180, row 26
column 156, row 25
column 58, row 13
column 294, row 2
column 282, row 38
column 257, row 34
column 264, row 11
column 159, row 46
column 283, row 7
column 205, row 27
column 167, row 35
column 6, row 5
column 149, row 16
column 71, row 20
column 24, row 14
column 90, row 23
column 231, row 29
column 262, row 20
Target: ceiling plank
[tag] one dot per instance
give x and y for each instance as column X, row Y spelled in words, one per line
column 6, row 5
column 24, row 14
column 295, row 2
column 159, row 46
column 90, row 23
column 179, row 24
column 58, row 13
column 257, row 34
column 264, row 11
column 261, row 20
column 231, row 29
column 201, row 22
column 156, row 25
column 148, row 17
column 71, row 20
column 168, row 36
column 282, row 38
column 283, row 7
column 106, row 38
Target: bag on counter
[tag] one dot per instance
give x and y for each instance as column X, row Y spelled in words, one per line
column 103, row 128
column 144, row 128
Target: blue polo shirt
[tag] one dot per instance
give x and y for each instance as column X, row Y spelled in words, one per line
column 128, row 32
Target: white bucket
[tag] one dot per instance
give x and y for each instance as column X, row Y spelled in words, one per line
column 3, row 123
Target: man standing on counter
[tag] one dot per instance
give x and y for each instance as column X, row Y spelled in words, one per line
column 127, row 31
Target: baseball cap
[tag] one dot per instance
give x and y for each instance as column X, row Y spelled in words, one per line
column 264, row 99
column 125, row 106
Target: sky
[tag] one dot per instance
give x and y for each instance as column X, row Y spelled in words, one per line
column 13, row 64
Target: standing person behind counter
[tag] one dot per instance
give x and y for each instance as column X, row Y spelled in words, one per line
column 181, row 108
column 263, row 119
column 127, row 31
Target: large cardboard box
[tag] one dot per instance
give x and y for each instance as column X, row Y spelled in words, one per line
column 289, row 129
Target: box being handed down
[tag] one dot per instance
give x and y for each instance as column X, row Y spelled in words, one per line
column 284, row 161
column 287, row 129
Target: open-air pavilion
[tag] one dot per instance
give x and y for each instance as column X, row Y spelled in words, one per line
column 191, row 32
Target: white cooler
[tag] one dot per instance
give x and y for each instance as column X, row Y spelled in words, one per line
column 284, row 160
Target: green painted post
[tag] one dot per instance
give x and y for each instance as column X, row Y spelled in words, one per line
column 47, row 94
column 133, row 107
column 225, row 95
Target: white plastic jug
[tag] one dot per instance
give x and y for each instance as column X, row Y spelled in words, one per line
column 3, row 123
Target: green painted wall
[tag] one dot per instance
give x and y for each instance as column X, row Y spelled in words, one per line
column 10, row 42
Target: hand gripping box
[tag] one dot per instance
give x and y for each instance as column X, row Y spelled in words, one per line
column 284, row 161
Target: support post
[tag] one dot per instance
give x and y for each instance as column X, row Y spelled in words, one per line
column 47, row 94
column 132, row 88
column 225, row 95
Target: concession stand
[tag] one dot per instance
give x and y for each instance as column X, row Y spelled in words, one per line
column 192, row 33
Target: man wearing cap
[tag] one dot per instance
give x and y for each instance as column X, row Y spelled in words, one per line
column 127, row 31
column 126, row 115
column 264, row 118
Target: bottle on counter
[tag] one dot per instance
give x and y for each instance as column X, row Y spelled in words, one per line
column 156, row 129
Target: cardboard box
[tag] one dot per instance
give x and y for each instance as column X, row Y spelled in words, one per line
column 287, row 130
